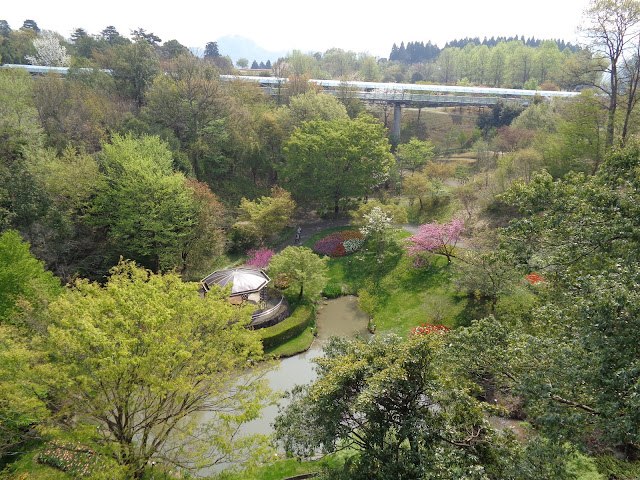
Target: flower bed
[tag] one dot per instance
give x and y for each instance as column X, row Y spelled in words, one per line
column 428, row 329
column 339, row 244
column 73, row 458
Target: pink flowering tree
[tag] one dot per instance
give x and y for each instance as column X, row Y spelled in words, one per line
column 259, row 258
column 434, row 239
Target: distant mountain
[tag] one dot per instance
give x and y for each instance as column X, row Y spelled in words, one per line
column 237, row 47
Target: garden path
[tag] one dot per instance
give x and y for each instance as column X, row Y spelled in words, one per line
column 312, row 224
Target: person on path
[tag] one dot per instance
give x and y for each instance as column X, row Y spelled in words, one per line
column 298, row 233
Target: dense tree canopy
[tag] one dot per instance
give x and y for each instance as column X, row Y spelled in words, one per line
column 145, row 209
column 327, row 161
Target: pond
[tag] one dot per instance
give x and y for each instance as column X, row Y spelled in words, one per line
column 336, row 317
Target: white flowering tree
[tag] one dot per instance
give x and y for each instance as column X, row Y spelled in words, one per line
column 378, row 226
column 49, row 52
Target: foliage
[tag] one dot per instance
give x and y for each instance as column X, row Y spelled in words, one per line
column 434, row 238
column 146, row 357
column 310, row 106
column 206, row 239
column 290, row 327
column 379, row 398
column 25, row 286
column 243, row 236
column 146, row 210
column 580, row 233
column 26, row 385
column 337, row 159
column 378, row 226
column 269, row 214
column 338, row 244
column 302, row 268
column 414, row 153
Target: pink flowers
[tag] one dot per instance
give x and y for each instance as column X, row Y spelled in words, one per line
column 259, row 258
column 70, row 457
column 428, row 329
column 434, row 238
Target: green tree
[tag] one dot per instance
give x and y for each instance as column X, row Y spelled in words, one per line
column 134, row 68
column 300, row 268
column 414, row 154
column 27, row 380
column 25, row 286
column 147, row 358
column 311, row 106
column 330, row 161
column 242, row 63
column 388, row 400
column 269, row 214
column 145, row 208
column 211, row 50
column 206, row 240
column 580, row 234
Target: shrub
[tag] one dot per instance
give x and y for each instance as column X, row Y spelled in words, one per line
column 333, row 244
column 332, row 290
column 353, row 245
column 279, row 333
column 243, row 236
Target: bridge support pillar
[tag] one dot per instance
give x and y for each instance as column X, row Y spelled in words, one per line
column 397, row 120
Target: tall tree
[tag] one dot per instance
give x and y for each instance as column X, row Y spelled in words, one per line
column 211, row 50
column 387, row 400
column 579, row 372
column 269, row 214
column 25, row 286
column 145, row 208
column 612, row 26
column 134, row 69
column 330, row 161
column 49, row 52
column 156, row 367
column 414, row 153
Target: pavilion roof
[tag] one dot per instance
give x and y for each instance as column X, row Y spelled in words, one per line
column 244, row 280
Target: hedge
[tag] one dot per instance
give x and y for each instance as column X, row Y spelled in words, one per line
column 288, row 328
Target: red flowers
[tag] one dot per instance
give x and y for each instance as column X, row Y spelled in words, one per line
column 428, row 329
column 534, row 278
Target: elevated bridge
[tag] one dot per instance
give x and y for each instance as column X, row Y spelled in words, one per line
column 400, row 94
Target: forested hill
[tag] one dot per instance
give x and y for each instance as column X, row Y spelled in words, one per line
column 419, row 52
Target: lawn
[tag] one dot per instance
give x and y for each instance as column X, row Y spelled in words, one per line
column 396, row 295
column 289, row 467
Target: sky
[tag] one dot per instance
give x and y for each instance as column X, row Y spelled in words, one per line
column 283, row 25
